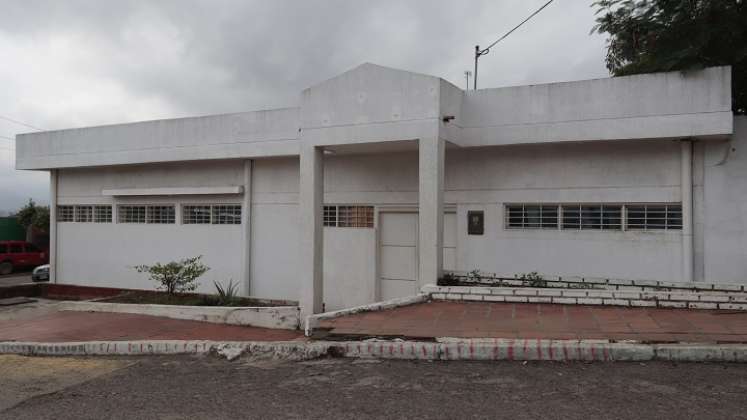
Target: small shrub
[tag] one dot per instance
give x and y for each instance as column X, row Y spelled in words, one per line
column 448, row 279
column 534, row 279
column 226, row 295
column 474, row 275
column 176, row 276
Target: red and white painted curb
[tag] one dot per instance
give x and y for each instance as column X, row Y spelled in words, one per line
column 442, row 349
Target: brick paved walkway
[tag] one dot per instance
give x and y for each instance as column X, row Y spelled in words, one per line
column 505, row 320
column 95, row 326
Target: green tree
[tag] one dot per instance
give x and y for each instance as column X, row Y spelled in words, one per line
column 666, row 35
column 33, row 215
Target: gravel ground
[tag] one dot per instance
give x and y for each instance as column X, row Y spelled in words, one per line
column 211, row 388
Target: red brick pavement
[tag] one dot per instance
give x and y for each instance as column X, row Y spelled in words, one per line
column 100, row 326
column 505, row 320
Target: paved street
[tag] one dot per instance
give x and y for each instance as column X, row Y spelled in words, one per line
column 15, row 278
column 210, row 388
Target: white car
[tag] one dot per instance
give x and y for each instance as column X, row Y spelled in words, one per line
column 40, row 273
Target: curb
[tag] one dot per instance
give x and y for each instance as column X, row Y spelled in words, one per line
column 312, row 321
column 445, row 349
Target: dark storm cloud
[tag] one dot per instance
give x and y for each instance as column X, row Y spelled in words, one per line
column 78, row 63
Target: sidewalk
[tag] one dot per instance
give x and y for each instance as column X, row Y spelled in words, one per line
column 545, row 321
column 99, row 326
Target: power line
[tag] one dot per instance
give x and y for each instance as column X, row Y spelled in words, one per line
column 480, row 52
column 21, row 123
column 7, row 138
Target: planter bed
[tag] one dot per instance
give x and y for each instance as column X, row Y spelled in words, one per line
column 189, row 299
column 250, row 311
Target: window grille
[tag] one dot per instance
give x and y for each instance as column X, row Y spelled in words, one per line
column 83, row 214
column 161, row 214
column 196, row 215
column 65, row 213
column 349, row 216
column 592, row 216
column 654, row 217
column 532, row 216
column 131, row 214
column 330, row 215
column 102, row 214
column 572, row 216
column 226, row 214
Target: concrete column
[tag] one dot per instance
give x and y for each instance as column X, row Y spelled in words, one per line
column 246, row 224
column 310, row 206
column 686, row 157
column 431, row 209
column 53, row 226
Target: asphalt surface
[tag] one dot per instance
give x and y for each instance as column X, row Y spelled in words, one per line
column 211, row 388
column 15, row 278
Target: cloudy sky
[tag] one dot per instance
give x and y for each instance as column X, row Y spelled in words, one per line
column 77, row 63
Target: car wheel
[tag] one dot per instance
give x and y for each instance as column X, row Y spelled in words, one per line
column 6, row 267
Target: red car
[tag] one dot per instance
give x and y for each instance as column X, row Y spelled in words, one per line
column 20, row 254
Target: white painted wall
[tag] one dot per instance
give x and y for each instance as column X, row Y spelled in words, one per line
column 275, row 229
column 92, row 254
column 102, row 254
column 349, row 267
column 377, row 104
column 249, row 134
column 391, row 109
column 725, row 207
column 661, row 105
column 484, row 178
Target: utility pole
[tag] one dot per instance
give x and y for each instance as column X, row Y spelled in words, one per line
column 478, row 54
column 467, row 75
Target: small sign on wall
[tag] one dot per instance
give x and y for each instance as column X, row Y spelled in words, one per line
column 475, row 222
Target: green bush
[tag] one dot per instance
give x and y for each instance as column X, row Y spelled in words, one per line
column 176, row 276
column 534, row 279
column 226, row 295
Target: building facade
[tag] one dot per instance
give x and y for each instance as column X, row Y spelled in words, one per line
column 381, row 179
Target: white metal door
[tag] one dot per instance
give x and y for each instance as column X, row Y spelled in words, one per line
column 399, row 254
column 398, row 275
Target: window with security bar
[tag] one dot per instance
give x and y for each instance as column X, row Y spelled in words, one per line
column 83, row 214
column 161, row 214
column 349, row 216
column 654, row 217
column 226, row 214
column 102, row 214
column 65, row 213
column 196, row 214
column 585, row 216
column 131, row 214
column 592, row 216
column 532, row 216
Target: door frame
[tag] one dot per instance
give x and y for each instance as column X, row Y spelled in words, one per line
column 378, row 210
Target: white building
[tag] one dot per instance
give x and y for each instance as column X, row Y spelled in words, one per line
column 362, row 192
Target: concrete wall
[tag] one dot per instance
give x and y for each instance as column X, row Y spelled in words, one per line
column 377, row 104
column 661, row 105
column 486, row 178
column 725, row 207
column 247, row 134
column 483, row 178
column 363, row 116
column 102, row 254
column 275, row 229
column 618, row 172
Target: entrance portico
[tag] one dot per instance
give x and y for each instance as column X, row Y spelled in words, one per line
column 431, row 161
